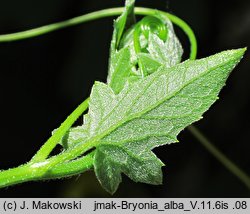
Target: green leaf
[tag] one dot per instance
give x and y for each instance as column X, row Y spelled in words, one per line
column 73, row 136
column 139, row 165
column 124, row 21
column 149, row 113
column 148, row 64
column 169, row 52
column 122, row 69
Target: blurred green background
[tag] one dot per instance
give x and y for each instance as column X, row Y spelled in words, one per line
column 43, row 79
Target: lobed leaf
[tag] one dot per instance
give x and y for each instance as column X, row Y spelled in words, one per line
column 151, row 113
column 135, row 113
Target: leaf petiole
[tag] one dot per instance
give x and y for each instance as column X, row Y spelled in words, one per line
column 50, row 144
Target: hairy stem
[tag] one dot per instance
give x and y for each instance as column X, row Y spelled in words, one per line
column 71, row 168
column 50, row 144
column 43, row 170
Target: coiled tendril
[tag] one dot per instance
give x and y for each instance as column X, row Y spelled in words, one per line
column 149, row 24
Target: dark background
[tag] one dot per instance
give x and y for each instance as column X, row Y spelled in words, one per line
column 43, row 79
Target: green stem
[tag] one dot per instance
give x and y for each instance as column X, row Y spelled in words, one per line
column 16, row 175
column 98, row 15
column 40, row 171
column 50, row 144
column 71, row 154
column 71, row 168
column 232, row 167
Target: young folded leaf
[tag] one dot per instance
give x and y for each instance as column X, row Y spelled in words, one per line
column 134, row 47
column 118, row 74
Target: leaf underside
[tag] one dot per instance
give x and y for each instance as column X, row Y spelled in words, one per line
column 132, row 114
column 150, row 113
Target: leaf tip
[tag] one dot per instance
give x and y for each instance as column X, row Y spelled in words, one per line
column 245, row 48
column 241, row 51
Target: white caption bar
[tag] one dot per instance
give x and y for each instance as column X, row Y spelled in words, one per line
column 125, row 205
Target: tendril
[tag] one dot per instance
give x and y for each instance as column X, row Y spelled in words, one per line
column 149, row 24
